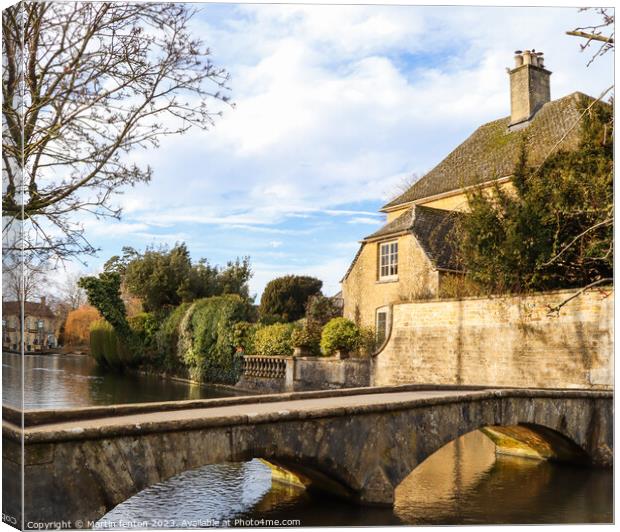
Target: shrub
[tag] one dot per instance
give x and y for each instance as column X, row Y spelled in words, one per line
column 285, row 298
column 367, row 341
column 307, row 337
column 206, row 343
column 145, row 326
column 243, row 335
column 106, row 348
column 270, row 319
column 274, row 340
column 167, row 338
column 458, row 286
column 78, row 323
column 340, row 334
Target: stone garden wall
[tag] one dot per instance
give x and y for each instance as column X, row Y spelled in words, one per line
column 501, row 341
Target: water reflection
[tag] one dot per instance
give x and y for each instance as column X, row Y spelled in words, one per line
column 61, row 381
column 463, row 483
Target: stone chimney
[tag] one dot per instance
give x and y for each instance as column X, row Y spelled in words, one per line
column 43, row 301
column 529, row 86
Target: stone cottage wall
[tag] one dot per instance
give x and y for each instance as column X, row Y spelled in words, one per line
column 501, row 341
column 363, row 293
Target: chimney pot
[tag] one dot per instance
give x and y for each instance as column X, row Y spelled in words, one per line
column 529, row 86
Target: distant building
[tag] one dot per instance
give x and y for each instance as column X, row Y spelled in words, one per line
column 413, row 255
column 39, row 326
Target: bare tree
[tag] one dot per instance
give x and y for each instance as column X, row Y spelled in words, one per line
column 84, row 84
column 23, row 282
column 71, row 294
column 403, row 185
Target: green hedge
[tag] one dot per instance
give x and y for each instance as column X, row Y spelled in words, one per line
column 167, row 338
column 206, row 343
column 106, row 348
column 274, row 340
column 340, row 334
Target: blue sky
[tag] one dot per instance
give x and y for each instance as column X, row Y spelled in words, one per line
column 335, row 107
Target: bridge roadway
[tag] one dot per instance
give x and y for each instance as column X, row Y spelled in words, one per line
column 358, row 443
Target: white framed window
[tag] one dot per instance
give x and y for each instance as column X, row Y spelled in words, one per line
column 381, row 324
column 388, row 260
column 40, row 324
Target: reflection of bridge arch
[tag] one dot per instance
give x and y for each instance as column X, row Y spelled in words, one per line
column 457, row 484
column 361, row 445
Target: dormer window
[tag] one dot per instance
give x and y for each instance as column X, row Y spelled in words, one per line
column 388, row 261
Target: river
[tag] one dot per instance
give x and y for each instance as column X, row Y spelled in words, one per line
column 463, row 483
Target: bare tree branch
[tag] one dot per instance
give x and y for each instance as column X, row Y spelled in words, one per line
column 556, row 309
column 594, row 33
column 85, row 84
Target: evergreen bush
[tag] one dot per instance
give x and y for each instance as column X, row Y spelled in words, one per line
column 167, row 338
column 206, row 342
column 320, row 309
column 285, row 298
column 274, row 340
column 554, row 227
column 340, row 334
column 145, row 326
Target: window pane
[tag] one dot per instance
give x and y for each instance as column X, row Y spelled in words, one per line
column 381, row 326
column 388, row 259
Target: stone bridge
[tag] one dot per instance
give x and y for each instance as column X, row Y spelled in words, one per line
column 357, row 443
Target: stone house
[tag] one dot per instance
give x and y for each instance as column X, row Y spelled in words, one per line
column 39, row 326
column 413, row 255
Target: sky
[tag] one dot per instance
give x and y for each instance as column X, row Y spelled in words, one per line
column 335, row 107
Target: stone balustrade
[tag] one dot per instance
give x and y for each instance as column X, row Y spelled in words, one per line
column 279, row 374
column 264, row 367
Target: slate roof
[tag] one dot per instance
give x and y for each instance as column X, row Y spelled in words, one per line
column 397, row 225
column 39, row 310
column 492, row 151
column 434, row 229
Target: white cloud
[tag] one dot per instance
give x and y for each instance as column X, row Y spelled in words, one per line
column 366, row 221
column 334, row 106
